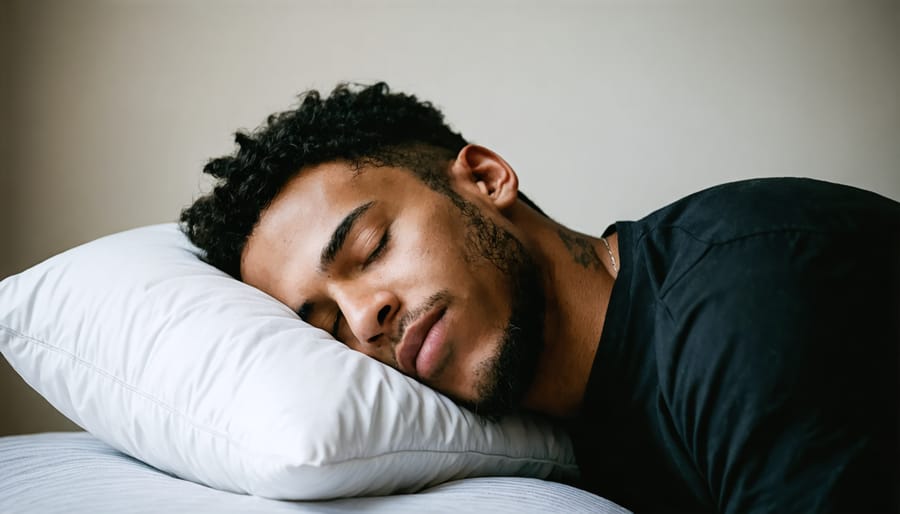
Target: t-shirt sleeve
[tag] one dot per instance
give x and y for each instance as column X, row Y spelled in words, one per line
column 784, row 397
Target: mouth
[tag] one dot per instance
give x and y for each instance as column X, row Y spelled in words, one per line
column 425, row 334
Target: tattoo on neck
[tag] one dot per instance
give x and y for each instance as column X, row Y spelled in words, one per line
column 581, row 249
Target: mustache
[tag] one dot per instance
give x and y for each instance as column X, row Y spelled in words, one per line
column 411, row 316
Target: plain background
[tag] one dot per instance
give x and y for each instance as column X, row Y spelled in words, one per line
column 607, row 109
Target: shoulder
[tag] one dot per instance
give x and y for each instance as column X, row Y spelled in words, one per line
column 739, row 222
column 747, row 207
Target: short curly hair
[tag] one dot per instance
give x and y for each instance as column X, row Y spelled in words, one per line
column 361, row 125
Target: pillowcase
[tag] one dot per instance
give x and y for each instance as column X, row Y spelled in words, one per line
column 173, row 362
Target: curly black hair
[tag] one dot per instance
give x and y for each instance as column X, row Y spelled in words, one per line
column 362, row 125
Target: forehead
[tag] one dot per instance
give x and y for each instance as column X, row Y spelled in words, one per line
column 285, row 245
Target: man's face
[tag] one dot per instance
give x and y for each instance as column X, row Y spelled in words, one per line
column 436, row 287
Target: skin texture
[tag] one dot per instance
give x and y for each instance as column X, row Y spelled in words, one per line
column 510, row 297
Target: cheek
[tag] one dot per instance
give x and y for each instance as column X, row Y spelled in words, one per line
column 432, row 255
column 426, row 265
column 434, row 246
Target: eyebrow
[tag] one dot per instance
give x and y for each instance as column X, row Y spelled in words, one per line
column 339, row 236
column 335, row 243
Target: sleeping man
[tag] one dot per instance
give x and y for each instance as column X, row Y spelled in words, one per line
column 735, row 351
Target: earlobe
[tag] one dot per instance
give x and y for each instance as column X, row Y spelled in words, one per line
column 487, row 174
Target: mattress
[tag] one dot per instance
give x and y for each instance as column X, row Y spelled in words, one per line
column 73, row 473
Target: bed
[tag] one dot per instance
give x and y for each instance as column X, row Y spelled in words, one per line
column 73, row 472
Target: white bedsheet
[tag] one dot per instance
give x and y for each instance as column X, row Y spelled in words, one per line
column 74, row 473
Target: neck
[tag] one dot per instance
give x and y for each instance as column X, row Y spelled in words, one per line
column 578, row 279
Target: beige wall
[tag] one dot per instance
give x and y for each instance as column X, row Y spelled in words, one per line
column 608, row 109
column 21, row 409
column 6, row 187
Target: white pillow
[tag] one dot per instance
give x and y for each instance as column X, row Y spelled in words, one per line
column 166, row 358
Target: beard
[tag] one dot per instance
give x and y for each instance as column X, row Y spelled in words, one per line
column 503, row 380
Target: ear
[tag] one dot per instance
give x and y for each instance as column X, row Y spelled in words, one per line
column 483, row 172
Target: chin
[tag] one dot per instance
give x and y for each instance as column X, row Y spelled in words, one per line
column 502, row 380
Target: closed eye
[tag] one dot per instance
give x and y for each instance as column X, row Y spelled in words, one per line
column 382, row 245
column 305, row 312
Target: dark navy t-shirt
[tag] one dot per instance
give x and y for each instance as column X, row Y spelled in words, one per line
column 749, row 357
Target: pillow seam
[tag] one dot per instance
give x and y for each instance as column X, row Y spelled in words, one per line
column 122, row 383
column 186, row 419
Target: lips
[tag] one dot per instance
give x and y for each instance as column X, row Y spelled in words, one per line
column 413, row 340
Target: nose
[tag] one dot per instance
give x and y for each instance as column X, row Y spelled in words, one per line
column 369, row 314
